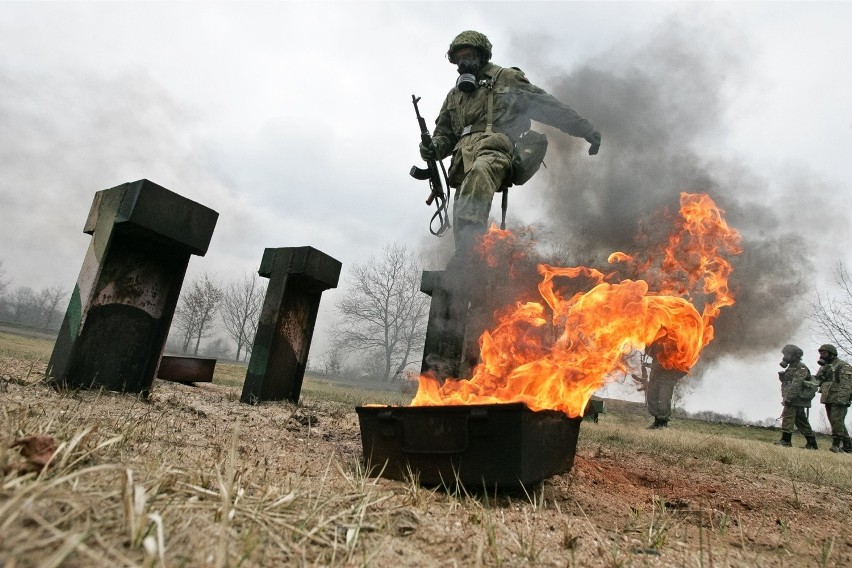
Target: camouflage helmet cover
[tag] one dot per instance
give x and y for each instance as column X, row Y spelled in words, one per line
column 828, row 347
column 470, row 38
column 793, row 351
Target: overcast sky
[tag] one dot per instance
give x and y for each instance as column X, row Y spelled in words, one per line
column 294, row 122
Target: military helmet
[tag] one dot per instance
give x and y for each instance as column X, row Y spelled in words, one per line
column 828, row 347
column 470, row 38
column 793, row 351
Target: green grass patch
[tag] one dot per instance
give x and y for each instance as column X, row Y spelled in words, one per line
column 21, row 347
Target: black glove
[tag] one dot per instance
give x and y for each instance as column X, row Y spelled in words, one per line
column 595, row 140
column 428, row 152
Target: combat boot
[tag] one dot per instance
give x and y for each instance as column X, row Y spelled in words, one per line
column 655, row 425
column 786, row 440
column 835, row 446
column 847, row 446
column 811, row 445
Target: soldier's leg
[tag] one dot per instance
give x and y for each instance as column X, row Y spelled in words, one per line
column 652, row 400
column 840, row 411
column 803, row 425
column 665, row 405
column 489, row 170
column 487, row 174
column 788, row 421
column 836, row 417
column 472, row 206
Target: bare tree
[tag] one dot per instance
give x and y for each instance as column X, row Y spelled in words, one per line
column 23, row 304
column 195, row 312
column 47, row 302
column 831, row 315
column 383, row 313
column 240, row 311
column 3, row 282
column 25, row 307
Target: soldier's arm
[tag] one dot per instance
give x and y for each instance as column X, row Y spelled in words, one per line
column 820, row 377
column 545, row 108
column 444, row 139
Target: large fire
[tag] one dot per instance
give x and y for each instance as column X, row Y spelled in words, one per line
column 555, row 353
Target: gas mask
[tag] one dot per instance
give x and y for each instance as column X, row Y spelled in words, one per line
column 468, row 68
column 784, row 363
column 825, row 359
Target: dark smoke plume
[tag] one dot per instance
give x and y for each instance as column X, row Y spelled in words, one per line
column 661, row 107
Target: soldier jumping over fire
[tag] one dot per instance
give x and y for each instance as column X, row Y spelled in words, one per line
column 484, row 124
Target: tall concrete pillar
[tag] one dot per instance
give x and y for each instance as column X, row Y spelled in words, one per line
column 297, row 278
column 118, row 318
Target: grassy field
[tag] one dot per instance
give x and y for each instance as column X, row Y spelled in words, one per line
column 191, row 477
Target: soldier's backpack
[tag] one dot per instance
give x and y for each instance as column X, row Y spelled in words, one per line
column 528, row 156
column 809, row 389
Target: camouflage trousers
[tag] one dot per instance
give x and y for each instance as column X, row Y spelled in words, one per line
column 490, row 165
column 796, row 416
column 837, row 419
column 658, row 397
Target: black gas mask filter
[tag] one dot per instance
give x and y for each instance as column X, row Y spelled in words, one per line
column 468, row 68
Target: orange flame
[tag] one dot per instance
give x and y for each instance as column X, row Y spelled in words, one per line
column 556, row 353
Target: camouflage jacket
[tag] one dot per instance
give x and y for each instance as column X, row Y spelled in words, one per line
column 835, row 381
column 463, row 117
column 792, row 379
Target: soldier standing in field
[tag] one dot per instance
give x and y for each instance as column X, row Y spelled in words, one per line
column 796, row 393
column 659, row 385
column 835, row 379
column 659, row 393
column 483, row 121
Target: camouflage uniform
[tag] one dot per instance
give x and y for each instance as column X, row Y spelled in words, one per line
column 835, row 378
column 482, row 161
column 794, row 414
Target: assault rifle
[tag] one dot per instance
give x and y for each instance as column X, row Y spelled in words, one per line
column 430, row 172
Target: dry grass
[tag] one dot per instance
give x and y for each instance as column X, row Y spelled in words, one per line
column 191, row 477
column 748, row 447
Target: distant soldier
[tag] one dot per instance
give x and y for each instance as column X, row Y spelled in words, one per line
column 835, row 379
column 797, row 390
column 659, row 393
column 659, row 384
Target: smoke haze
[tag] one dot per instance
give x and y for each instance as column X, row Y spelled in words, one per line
column 661, row 107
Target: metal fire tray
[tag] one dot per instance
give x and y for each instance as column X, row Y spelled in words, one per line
column 186, row 369
column 479, row 446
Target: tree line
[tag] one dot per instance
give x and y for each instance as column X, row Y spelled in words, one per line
column 381, row 316
column 41, row 309
column 378, row 332
column 208, row 306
